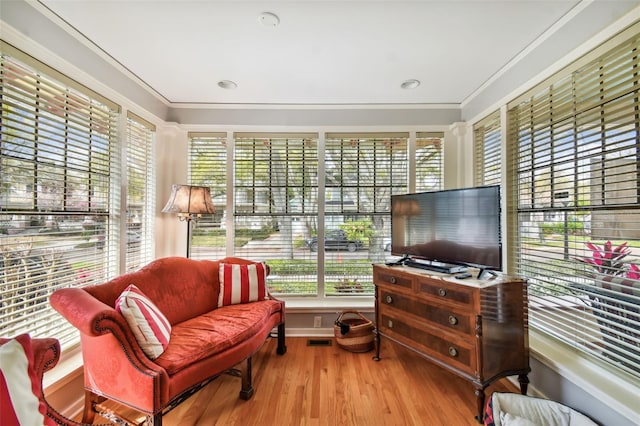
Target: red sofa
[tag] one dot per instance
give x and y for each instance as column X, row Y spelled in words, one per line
column 205, row 340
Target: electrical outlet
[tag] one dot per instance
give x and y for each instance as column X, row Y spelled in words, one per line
column 317, row 322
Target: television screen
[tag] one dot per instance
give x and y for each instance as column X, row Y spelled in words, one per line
column 459, row 226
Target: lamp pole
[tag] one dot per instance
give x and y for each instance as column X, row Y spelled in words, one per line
column 188, row 236
column 190, row 218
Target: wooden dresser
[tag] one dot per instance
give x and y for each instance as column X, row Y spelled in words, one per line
column 474, row 328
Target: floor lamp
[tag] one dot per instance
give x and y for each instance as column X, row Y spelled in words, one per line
column 190, row 203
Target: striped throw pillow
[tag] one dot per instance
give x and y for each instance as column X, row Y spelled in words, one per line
column 242, row 283
column 150, row 327
column 19, row 386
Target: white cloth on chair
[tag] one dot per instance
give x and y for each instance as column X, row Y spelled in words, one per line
column 510, row 409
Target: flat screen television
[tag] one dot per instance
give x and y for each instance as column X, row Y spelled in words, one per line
column 451, row 227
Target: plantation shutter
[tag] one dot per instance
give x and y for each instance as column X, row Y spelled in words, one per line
column 487, row 143
column 141, row 190
column 576, row 156
column 59, row 198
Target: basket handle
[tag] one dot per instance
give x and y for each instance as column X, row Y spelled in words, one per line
column 344, row 328
column 351, row 312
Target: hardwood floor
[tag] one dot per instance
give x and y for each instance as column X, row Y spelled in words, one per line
column 326, row 385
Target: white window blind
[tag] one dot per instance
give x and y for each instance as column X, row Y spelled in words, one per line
column 576, row 156
column 275, row 184
column 59, row 211
column 208, row 167
column 141, row 190
column 487, row 142
column 362, row 171
column 429, row 161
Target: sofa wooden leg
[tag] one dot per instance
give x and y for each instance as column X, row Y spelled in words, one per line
column 247, row 388
column 90, row 402
column 155, row 420
column 282, row 347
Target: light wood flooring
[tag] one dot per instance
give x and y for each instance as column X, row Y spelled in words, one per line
column 326, row 385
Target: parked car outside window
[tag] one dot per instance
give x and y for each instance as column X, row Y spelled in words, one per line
column 335, row 240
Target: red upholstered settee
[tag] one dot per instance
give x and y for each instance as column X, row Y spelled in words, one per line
column 205, row 340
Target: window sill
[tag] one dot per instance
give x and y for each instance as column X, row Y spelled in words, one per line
column 615, row 392
column 69, row 366
column 328, row 304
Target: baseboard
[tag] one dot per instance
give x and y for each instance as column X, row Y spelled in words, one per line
column 531, row 389
column 309, row 332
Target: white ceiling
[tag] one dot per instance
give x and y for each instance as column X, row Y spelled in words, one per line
column 322, row 52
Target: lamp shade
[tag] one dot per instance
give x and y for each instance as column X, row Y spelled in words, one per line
column 406, row 208
column 188, row 200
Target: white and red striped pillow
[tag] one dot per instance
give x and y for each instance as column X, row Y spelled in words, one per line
column 19, row 385
column 242, row 283
column 150, row 327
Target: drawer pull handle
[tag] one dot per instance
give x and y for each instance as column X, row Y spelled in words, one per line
column 393, row 280
column 390, row 324
column 389, row 299
column 453, row 320
column 442, row 292
column 453, row 351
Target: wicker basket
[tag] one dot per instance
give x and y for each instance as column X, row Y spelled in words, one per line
column 354, row 334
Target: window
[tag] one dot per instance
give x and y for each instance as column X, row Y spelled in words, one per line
column 487, row 142
column 275, row 201
column 140, row 192
column 361, row 173
column 284, row 198
column 59, row 212
column 576, row 156
column 208, row 167
column 429, row 161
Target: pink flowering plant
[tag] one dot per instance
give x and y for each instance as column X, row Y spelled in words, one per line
column 633, row 272
column 608, row 260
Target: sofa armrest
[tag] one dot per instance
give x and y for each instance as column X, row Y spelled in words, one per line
column 94, row 318
column 46, row 353
column 85, row 312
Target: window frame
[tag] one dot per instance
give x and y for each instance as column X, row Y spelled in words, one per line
column 430, row 144
column 36, row 97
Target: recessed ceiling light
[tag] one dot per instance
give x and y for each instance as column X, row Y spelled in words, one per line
column 227, row 84
column 269, row 19
column 410, row 84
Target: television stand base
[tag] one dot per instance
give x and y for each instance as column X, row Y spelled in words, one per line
column 483, row 272
column 399, row 262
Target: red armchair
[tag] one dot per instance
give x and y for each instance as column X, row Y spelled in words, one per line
column 46, row 352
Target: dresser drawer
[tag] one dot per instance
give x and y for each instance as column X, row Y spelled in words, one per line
column 445, row 292
column 459, row 321
column 459, row 354
column 388, row 277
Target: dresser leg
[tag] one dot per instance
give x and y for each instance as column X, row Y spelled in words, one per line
column 376, row 357
column 480, row 405
column 523, row 379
